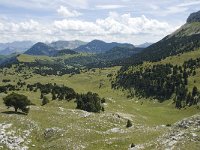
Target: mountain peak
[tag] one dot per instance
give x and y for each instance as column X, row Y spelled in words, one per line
column 59, row 45
column 41, row 49
column 194, row 17
column 95, row 41
column 98, row 46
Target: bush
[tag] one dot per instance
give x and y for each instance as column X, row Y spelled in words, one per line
column 129, row 124
column 168, row 125
column 132, row 145
column 103, row 109
column 45, row 100
column 18, row 101
column 90, row 102
column 103, row 100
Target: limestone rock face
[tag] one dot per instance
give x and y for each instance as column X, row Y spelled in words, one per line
column 194, row 17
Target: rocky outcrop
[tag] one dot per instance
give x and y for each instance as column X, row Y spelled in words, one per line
column 194, row 17
column 176, row 136
column 10, row 138
column 50, row 132
column 181, row 132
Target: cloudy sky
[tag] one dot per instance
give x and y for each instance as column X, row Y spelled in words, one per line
column 133, row 21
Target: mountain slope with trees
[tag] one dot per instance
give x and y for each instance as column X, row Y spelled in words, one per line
column 187, row 38
column 97, row 46
column 59, row 45
column 146, row 75
column 41, row 49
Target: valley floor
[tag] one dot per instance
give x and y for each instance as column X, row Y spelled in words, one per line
column 58, row 125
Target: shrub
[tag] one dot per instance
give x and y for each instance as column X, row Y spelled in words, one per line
column 132, row 145
column 45, row 100
column 103, row 100
column 168, row 125
column 18, row 101
column 129, row 124
column 90, row 102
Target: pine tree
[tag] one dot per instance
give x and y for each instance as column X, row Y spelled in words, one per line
column 129, row 124
column 41, row 96
column 189, row 98
column 194, row 91
column 53, row 95
column 45, row 100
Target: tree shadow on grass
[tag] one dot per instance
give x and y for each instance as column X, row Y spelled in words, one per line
column 13, row 112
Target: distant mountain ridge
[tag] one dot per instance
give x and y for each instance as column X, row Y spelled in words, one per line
column 95, row 46
column 13, row 47
column 98, row 46
column 144, row 45
column 41, row 49
column 60, row 45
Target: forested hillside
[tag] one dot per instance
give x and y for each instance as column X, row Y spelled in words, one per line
column 164, row 81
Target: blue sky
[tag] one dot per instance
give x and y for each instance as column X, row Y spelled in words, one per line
column 133, row 21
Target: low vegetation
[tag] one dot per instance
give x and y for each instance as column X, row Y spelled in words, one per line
column 90, row 102
column 18, row 101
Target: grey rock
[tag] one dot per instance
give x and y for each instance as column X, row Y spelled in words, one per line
column 194, row 17
column 50, row 132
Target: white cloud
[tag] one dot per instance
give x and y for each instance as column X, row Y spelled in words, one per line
column 115, row 27
column 78, row 27
column 154, row 7
column 174, row 10
column 44, row 4
column 109, row 6
column 27, row 26
column 189, row 3
column 123, row 28
column 64, row 11
column 1, row 26
column 126, row 24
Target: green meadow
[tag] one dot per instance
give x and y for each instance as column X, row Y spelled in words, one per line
column 77, row 129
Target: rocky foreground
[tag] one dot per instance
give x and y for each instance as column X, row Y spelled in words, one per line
column 178, row 134
column 174, row 136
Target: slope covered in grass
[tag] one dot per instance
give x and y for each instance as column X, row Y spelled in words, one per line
column 58, row 125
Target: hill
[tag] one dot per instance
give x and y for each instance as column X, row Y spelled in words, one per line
column 65, row 52
column 164, row 70
column 101, row 60
column 59, row 45
column 41, row 49
column 110, row 57
column 187, row 38
column 149, row 77
column 120, row 52
column 194, row 17
column 97, row 46
column 8, row 60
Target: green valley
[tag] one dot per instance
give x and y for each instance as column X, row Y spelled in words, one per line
column 100, row 95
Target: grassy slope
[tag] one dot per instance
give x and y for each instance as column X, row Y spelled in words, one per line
column 31, row 58
column 187, row 29
column 176, row 60
column 92, row 132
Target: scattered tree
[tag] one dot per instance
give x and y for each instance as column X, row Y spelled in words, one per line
column 45, row 100
column 90, row 102
column 18, row 101
column 129, row 124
